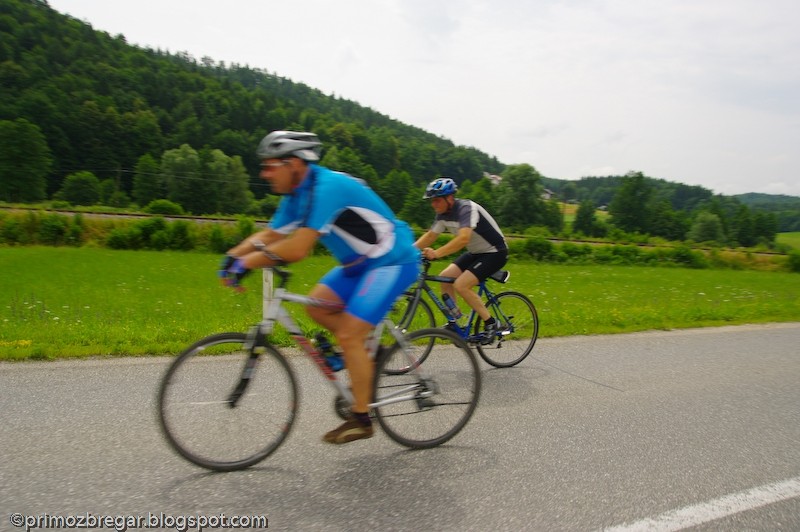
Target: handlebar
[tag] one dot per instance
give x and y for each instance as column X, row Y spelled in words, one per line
column 283, row 274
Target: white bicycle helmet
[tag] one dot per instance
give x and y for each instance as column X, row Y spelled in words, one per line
column 280, row 144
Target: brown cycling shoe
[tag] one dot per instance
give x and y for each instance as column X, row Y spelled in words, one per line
column 350, row 430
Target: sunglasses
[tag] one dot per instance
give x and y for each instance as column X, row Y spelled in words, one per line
column 275, row 165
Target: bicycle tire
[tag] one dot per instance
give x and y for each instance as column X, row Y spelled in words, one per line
column 198, row 419
column 401, row 316
column 518, row 330
column 422, row 423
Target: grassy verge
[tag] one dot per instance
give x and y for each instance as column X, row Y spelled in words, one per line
column 790, row 239
column 76, row 302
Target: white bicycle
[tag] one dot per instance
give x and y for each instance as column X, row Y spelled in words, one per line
column 230, row 400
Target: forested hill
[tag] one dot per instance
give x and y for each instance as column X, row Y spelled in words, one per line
column 137, row 124
column 101, row 104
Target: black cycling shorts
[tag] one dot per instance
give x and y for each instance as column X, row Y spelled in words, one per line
column 482, row 265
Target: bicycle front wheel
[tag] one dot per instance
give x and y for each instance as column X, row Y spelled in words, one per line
column 518, row 330
column 432, row 401
column 203, row 419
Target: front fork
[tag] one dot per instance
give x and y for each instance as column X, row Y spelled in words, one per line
column 255, row 337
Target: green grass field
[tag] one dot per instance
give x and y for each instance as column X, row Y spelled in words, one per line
column 791, row 239
column 78, row 302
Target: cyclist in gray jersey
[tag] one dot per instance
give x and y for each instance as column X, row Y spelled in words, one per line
column 474, row 229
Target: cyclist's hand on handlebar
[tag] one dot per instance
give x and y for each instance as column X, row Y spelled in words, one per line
column 232, row 271
column 429, row 253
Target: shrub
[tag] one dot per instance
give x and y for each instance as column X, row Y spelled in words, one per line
column 11, row 232
column 80, row 188
column 74, row 236
column 52, row 230
column 160, row 240
column 117, row 239
column 794, row 261
column 150, row 226
column 626, row 254
column 217, row 242
column 246, row 227
column 118, row 198
column 686, row 256
column 180, row 236
column 162, row 206
column 577, row 252
column 539, row 249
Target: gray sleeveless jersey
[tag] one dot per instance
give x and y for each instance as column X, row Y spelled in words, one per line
column 486, row 234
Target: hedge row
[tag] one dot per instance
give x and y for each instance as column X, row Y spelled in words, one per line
column 157, row 233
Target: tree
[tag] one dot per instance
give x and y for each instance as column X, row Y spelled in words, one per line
column 416, row 210
column 766, row 225
column 744, row 228
column 148, row 183
column 519, row 198
column 707, row 227
column 80, row 188
column 585, row 219
column 234, row 195
column 630, row 207
column 552, row 217
column 348, row 161
column 182, row 174
column 25, row 161
column 667, row 223
column 394, row 188
column 482, row 192
column 569, row 192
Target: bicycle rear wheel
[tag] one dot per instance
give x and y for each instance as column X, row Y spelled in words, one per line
column 202, row 422
column 436, row 407
column 405, row 320
column 518, row 330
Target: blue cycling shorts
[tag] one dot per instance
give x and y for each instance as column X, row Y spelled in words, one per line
column 371, row 295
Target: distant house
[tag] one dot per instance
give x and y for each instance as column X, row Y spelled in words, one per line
column 495, row 179
column 548, row 194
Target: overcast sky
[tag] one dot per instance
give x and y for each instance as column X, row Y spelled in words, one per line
column 703, row 92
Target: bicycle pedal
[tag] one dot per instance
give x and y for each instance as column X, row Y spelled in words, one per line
column 425, row 402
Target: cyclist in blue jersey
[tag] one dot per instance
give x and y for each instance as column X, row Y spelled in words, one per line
column 475, row 229
column 376, row 252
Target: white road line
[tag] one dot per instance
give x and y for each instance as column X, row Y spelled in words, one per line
column 708, row 511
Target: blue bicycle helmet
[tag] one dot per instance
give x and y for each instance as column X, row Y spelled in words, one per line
column 444, row 186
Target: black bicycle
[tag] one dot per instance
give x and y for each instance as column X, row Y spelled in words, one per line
column 515, row 313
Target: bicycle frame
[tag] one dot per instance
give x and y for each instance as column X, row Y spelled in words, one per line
column 275, row 312
column 423, row 286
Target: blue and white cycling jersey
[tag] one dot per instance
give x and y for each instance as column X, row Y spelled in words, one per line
column 354, row 222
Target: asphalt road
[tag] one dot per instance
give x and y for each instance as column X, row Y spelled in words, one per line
column 649, row 431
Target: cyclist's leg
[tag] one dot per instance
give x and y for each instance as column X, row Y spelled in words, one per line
column 476, row 269
column 454, row 270
column 349, row 330
column 464, row 286
column 367, row 299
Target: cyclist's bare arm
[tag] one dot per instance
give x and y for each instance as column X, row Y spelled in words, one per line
column 457, row 243
column 255, row 241
column 279, row 248
column 426, row 240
